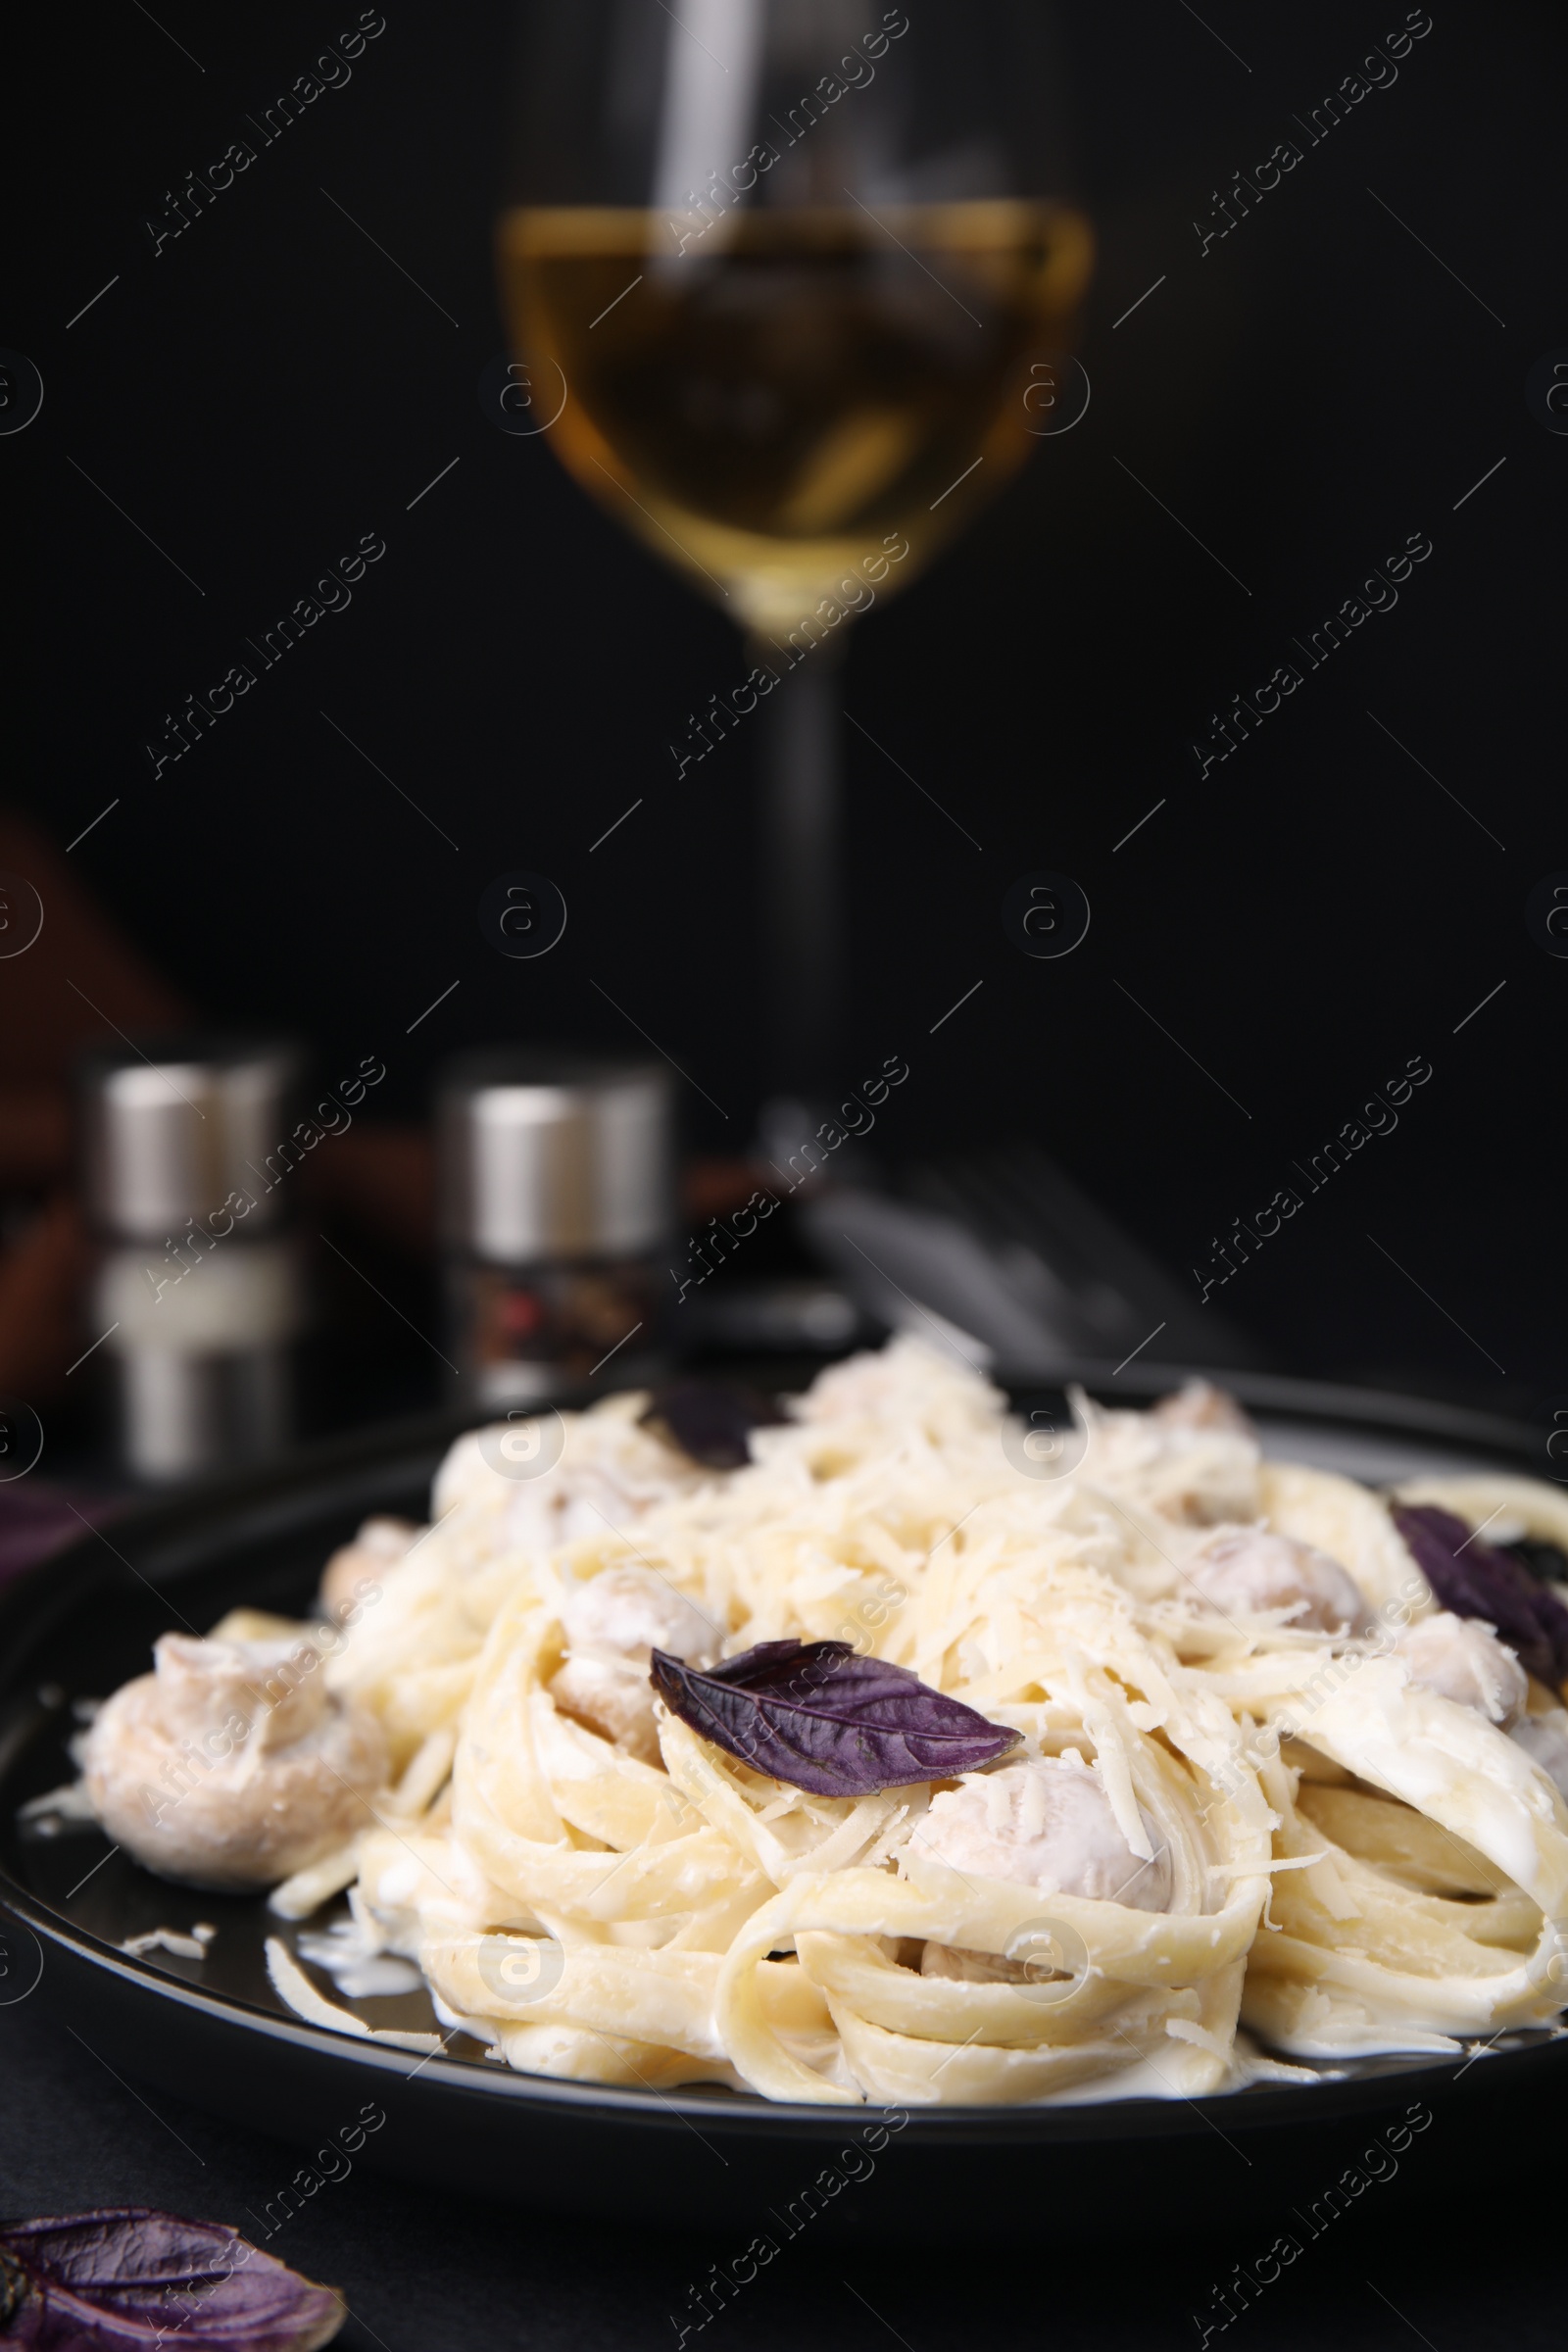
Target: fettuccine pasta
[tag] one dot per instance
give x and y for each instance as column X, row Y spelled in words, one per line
column 1266, row 1800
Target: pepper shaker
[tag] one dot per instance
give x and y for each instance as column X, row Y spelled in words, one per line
column 557, row 1198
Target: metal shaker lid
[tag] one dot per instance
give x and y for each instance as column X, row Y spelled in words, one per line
column 554, row 1153
column 170, row 1132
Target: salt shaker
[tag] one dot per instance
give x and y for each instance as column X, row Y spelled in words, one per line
column 557, row 1200
column 191, row 1162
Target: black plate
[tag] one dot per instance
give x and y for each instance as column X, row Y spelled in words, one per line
column 215, row 2034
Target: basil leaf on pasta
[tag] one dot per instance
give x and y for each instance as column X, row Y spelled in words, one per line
column 710, row 1420
column 1473, row 1579
column 821, row 1717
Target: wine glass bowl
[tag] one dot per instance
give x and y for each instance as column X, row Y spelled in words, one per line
column 795, row 260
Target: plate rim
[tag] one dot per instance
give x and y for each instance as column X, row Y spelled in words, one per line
column 748, row 2114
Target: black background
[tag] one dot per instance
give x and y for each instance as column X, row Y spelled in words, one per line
column 1314, row 389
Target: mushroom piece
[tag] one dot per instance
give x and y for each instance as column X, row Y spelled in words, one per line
column 355, row 1570
column 538, row 1481
column 231, row 1766
column 1049, row 1825
column 1198, row 1404
column 1243, row 1571
column 613, row 1622
column 1462, row 1659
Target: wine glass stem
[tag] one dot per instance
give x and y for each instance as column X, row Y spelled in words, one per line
column 802, row 898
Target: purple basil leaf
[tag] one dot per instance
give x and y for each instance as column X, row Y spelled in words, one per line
column 1479, row 1580
column 126, row 2279
column 821, row 1717
column 710, row 1419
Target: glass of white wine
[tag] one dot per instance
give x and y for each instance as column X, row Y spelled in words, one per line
column 795, row 261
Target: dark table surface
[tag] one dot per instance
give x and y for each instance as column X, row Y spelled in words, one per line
column 423, row 2273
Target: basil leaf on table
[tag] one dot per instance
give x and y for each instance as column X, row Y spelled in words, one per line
column 821, row 1717
column 126, row 2279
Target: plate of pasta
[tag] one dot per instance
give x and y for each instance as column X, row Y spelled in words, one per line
column 710, row 1761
